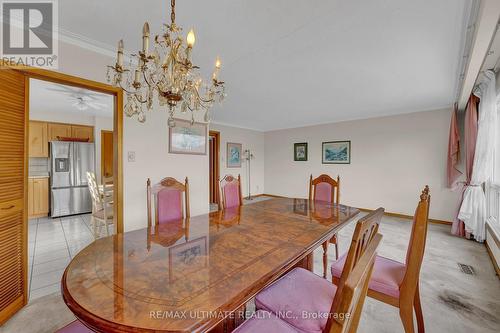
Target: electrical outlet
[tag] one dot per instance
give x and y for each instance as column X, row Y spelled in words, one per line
column 131, row 156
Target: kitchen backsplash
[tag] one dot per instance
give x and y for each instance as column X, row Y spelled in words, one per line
column 38, row 166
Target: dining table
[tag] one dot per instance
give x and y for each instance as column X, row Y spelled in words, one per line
column 196, row 274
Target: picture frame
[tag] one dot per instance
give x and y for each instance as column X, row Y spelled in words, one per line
column 233, row 155
column 336, row 152
column 187, row 138
column 300, row 151
column 187, row 257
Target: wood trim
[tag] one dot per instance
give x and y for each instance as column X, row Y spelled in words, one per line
column 493, row 260
column 216, row 157
column 25, row 185
column 409, row 217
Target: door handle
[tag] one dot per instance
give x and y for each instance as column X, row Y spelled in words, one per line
column 7, row 208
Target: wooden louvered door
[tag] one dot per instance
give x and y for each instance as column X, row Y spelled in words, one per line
column 13, row 201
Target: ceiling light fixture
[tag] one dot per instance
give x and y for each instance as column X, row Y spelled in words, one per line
column 167, row 73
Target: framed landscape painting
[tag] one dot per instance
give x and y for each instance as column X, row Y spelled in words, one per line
column 300, row 151
column 233, row 152
column 336, row 152
column 188, row 139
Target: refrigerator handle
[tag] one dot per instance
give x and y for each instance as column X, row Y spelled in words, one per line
column 73, row 170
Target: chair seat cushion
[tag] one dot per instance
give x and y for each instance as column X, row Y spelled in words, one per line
column 100, row 214
column 386, row 278
column 301, row 298
column 75, row 327
column 263, row 321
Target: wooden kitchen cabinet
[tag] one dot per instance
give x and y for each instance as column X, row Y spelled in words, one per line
column 55, row 130
column 82, row 132
column 38, row 139
column 38, row 197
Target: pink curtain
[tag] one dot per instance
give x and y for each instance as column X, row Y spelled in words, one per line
column 453, row 152
column 470, row 133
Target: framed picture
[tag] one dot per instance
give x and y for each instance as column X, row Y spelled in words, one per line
column 187, row 258
column 336, row 152
column 233, row 152
column 185, row 138
column 300, row 151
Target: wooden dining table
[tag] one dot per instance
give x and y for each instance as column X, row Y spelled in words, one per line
column 196, row 274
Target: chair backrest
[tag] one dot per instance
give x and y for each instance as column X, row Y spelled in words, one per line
column 94, row 191
column 416, row 246
column 167, row 200
column 347, row 312
column 230, row 188
column 324, row 188
column 365, row 231
column 107, row 197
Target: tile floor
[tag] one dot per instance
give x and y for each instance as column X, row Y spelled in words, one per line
column 52, row 245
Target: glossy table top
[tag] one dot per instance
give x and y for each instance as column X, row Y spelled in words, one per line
column 183, row 276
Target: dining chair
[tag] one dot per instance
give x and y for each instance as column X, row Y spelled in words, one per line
column 230, row 188
column 75, row 327
column 102, row 209
column 166, row 199
column 301, row 291
column 397, row 283
column 326, row 189
column 104, row 216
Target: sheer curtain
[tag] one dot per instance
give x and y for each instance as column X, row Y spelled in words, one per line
column 473, row 210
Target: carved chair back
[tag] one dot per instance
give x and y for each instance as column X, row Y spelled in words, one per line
column 94, row 192
column 365, row 231
column 324, row 188
column 352, row 294
column 165, row 199
column 416, row 247
column 230, row 188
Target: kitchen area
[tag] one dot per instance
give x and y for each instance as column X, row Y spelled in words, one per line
column 70, row 137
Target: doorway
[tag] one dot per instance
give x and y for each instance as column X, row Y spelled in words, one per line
column 106, row 153
column 14, row 199
column 214, row 169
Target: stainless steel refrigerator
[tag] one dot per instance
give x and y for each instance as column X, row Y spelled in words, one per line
column 69, row 191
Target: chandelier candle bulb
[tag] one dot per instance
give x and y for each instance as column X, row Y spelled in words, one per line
column 190, row 39
column 119, row 58
column 137, row 78
column 145, row 39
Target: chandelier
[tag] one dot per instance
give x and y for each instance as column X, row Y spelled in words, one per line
column 167, row 73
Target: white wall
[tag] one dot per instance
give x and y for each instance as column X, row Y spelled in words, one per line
column 392, row 158
column 253, row 140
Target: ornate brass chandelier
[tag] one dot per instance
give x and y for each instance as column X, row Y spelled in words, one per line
column 168, row 73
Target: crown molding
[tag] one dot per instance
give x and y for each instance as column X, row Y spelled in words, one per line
column 89, row 44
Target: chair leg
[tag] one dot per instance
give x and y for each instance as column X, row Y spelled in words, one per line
column 406, row 314
column 325, row 258
column 418, row 311
column 334, row 240
column 94, row 226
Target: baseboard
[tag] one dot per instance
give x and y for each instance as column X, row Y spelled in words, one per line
column 434, row 221
column 409, row 217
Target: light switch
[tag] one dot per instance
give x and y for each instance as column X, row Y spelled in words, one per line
column 131, row 156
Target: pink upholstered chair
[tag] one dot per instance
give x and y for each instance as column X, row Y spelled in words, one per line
column 230, row 188
column 302, row 291
column 326, row 189
column 397, row 283
column 75, row 327
column 167, row 200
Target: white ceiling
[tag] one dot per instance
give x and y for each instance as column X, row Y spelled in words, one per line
column 290, row 63
column 47, row 97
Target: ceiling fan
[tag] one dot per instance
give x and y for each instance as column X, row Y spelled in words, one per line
column 83, row 98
